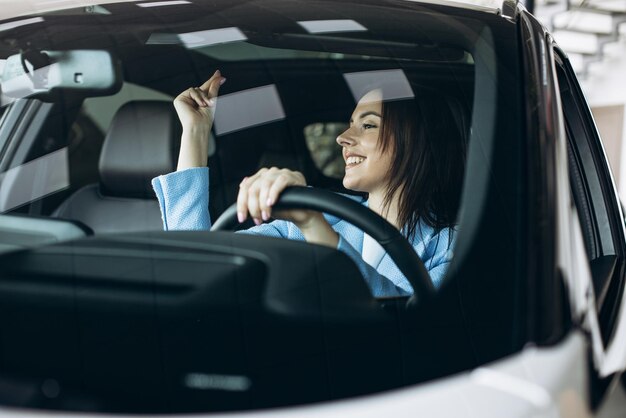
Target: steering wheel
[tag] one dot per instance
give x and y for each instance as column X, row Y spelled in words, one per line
column 396, row 245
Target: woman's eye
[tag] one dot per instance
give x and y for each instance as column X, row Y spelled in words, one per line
column 368, row 126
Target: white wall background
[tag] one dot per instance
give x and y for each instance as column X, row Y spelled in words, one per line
column 605, row 82
column 605, row 85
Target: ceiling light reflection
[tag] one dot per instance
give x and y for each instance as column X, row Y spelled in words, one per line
column 393, row 84
column 211, row 37
column 331, row 26
column 18, row 23
column 163, row 3
column 198, row 39
column 247, row 108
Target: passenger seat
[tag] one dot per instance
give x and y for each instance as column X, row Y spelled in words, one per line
column 142, row 142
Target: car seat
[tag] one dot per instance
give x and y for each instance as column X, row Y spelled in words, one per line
column 142, row 142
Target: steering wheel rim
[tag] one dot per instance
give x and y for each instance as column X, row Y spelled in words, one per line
column 392, row 241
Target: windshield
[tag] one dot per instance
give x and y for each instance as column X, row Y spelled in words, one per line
column 86, row 121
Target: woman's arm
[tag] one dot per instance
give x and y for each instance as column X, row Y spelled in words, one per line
column 184, row 199
column 184, row 195
column 196, row 110
column 318, row 231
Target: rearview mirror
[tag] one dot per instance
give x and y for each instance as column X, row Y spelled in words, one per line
column 43, row 73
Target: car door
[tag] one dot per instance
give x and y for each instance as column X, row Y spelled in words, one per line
column 599, row 216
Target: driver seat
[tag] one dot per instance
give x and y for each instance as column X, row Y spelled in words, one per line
column 142, row 142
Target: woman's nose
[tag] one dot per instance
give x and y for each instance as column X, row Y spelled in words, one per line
column 345, row 138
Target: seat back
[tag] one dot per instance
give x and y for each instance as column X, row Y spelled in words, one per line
column 142, row 142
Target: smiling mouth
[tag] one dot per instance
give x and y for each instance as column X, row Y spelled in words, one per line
column 354, row 161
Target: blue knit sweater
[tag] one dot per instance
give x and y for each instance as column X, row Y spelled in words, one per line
column 184, row 201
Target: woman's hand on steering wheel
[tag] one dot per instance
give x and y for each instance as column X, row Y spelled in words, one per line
column 258, row 193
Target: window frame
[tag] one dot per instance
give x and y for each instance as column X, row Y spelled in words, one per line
column 603, row 205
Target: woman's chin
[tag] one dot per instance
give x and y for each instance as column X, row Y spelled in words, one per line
column 350, row 184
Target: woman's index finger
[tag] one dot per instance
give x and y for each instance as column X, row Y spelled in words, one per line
column 207, row 84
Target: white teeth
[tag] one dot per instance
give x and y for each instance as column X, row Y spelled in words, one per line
column 354, row 160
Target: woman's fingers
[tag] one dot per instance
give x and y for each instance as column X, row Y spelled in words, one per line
column 274, row 191
column 256, row 183
column 216, row 76
column 247, row 199
column 205, row 96
column 253, row 203
column 258, row 193
column 242, row 200
column 196, row 95
column 212, row 86
column 264, row 188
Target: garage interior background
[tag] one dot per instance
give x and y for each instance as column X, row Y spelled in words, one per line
column 593, row 34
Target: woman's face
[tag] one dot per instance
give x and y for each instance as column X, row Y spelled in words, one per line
column 367, row 168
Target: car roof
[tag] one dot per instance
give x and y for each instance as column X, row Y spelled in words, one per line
column 12, row 9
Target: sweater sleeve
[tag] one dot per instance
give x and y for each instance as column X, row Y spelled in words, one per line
column 435, row 252
column 184, row 202
column 184, row 199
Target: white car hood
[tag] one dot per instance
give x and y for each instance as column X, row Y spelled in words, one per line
column 538, row 382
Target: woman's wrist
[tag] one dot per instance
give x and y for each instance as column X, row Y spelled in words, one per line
column 317, row 230
column 194, row 148
column 195, row 134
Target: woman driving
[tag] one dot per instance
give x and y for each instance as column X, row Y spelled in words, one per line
column 408, row 156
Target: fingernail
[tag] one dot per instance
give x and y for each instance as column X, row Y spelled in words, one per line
column 222, row 81
column 211, row 102
column 269, row 202
column 240, row 217
column 257, row 221
column 264, row 215
column 217, row 72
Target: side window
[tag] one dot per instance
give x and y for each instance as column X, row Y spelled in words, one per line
column 321, row 141
column 56, row 148
column 35, row 156
column 594, row 196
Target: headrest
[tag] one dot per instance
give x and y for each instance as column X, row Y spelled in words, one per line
column 142, row 143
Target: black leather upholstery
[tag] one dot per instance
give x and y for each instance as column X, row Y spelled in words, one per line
column 142, row 142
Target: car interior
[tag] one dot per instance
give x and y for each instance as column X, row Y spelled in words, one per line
column 126, row 318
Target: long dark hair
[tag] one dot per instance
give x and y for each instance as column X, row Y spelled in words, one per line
column 428, row 138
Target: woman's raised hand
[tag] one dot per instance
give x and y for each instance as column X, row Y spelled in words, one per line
column 196, row 109
column 196, row 105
